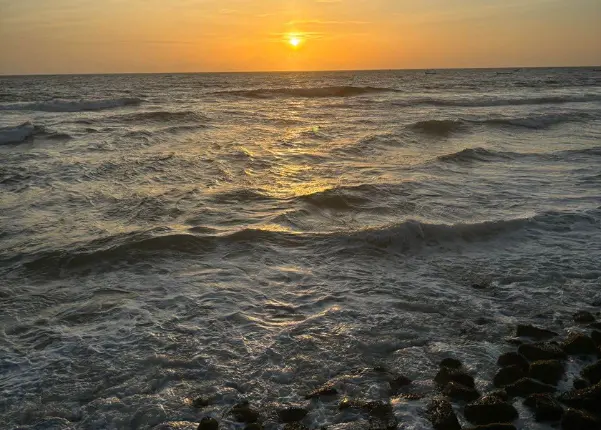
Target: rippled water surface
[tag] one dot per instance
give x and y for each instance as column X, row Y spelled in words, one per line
column 252, row 236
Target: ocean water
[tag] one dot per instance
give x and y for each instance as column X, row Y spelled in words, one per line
column 253, row 236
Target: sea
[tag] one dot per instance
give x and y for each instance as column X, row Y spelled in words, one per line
column 253, row 236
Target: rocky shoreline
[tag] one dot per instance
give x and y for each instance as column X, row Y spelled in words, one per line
column 530, row 375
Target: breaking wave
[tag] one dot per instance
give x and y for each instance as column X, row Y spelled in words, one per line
column 407, row 235
column 25, row 131
column 318, row 92
column 72, row 105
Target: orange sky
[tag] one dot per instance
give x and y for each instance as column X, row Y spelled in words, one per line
column 89, row 36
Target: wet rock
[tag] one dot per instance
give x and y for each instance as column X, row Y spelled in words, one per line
column 508, row 375
column 584, row 317
column 295, row 426
column 327, row 390
column 534, row 332
column 208, row 423
column 243, row 413
column 451, row 363
column 512, row 359
column 398, row 382
column 496, row 426
column 489, row 410
column 292, row 414
column 547, row 371
column 389, row 423
column 373, row 408
column 441, row 415
column 411, row 396
column 527, row 386
column 201, row 402
column 545, row 407
column 446, row 375
column 596, row 336
column 254, row 426
column 593, row 372
column 579, row 384
column 579, row 420
column 460, row 392
column 501, row 394
column 542, row 351
column 586, row 398
column 579, row 344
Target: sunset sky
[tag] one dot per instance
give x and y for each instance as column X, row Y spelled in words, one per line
column 91, row 36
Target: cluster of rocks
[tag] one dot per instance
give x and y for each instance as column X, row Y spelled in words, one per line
column 529, row 374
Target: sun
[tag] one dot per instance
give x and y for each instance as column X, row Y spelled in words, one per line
column 294, row 41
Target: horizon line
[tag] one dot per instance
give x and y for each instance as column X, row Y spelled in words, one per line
column 8, row 75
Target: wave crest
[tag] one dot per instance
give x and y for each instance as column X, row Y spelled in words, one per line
column 72, row 105
column 437, row 127
column 25, row 131
column 316, row 92
column 491, row 102
column 160, row 117
column 475, row 154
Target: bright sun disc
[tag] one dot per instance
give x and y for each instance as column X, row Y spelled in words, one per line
column 294, row 41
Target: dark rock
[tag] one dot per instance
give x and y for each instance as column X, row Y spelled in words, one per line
column 398, row 382
column 514, row 341
column 446, row 375
column 254, row 426
column 292, row 414
column 411, row 396
column 208, row 423
column 501, row 394
column 545, row 407
column 243, row 413
column 477, row 286
column 508, row 375
column 388, row 423
column 441, row 415
column 451, row 363
column 460, row 392
column 593, row 372
column 534, row 332
column 512, row 359
column 596, row 302
column 373, row 408
column 579, row 420
column 579, row 344
column 547, row 371
column 489, row 410
column 586, row 398
column 496, row 426
column 323, row 391
column 541, row 351
column 584, row 317
column 295, row 426
column 595, row 325
column 527, row 386
column 579, row 384
column 201, row 402
column 596, row 336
